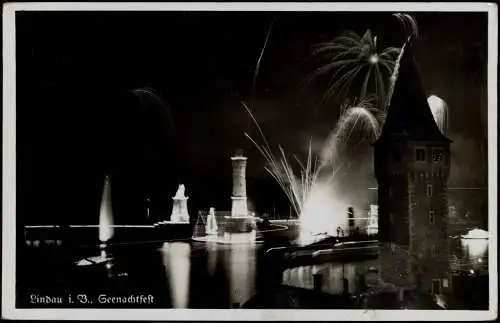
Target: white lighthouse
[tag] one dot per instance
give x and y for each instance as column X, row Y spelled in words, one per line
column 239, row 197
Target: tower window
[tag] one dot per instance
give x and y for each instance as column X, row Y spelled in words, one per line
column 434, row 251
column 420, row 154
column 432, row 217
column 437, row 155
column 429, row 190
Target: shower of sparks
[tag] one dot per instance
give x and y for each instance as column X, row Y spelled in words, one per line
column 295, row 187
column 361, row 116
column 310, row 191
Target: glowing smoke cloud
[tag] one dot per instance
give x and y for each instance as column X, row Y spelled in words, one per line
column 106, row 230
column 322, row 212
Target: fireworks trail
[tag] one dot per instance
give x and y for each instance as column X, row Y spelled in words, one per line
column 146, row 94
column 257, row 66
column 410, row 27
column 394, row 78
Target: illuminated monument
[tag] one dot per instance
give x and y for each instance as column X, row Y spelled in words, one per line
column 412, row 165
column 239, row 198
column 179, row 207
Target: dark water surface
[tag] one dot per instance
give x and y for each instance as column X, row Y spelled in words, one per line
column 181, row 273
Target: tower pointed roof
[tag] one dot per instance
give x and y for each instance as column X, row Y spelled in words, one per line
column 408, row 112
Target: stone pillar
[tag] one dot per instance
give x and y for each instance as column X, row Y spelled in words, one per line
column 239, row 197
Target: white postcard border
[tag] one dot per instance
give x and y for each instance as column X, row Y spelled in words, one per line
column 9, row 170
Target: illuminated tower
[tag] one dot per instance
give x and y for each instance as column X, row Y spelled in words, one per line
column 239, row 197
column 412, row 165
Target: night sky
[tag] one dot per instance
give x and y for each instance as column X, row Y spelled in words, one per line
column 76, row 117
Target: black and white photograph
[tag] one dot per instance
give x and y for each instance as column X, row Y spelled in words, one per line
column 250, row 161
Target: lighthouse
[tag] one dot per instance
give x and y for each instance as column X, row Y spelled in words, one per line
column 239, row 197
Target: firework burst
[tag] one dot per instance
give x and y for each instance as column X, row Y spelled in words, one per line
column 352, row 58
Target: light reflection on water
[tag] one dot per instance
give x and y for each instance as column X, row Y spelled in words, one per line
column 467, row 254
column 177, row 262
column 212, row 252
column 238, row 261
column 241, row 268
column 332, row 275
column 230, row 269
